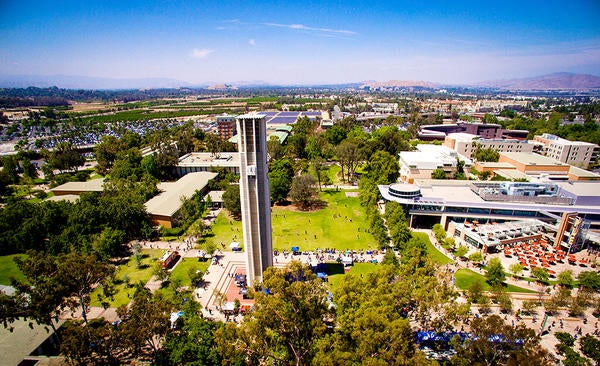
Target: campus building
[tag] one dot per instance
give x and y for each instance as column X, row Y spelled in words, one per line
column 163, row 207
column 421, row 163
column 484, row 130
column 428, row 202
column 465, row 144
column 255, row 195
column 226, row 127
column 206, row 162
column 577, row 153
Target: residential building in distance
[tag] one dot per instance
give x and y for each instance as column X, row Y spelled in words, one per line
column 255, row 195
column 421, row 163
column 577, row 153
column 465, row 144
column 484, row 130
column 226, row 127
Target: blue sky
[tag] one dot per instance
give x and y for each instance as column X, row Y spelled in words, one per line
column 300, row 42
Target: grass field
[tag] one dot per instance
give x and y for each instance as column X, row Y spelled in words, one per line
column 180, row 273
column 224, row 230
column 466, row 277
column 432, row 251
column 8, row 269
column 123, row 292
column 341, row 225
column 335, row 272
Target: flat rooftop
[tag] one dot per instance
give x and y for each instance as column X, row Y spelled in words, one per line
column 532, row 159
column 462, row 136
column 458, row 193
column 208, row 159
column 511, row 174
column 495, row 165
column 582, row 173
column 64, row 197
column 168, row 202
column 581, row 188
column 94, row 185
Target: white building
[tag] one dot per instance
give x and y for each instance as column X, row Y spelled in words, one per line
column 420, row 164
column 465, row 144
column 577, row 153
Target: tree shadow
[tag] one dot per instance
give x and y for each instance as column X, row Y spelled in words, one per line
column 334, row 268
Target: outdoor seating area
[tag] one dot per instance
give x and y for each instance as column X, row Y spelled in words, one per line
column 539, row 253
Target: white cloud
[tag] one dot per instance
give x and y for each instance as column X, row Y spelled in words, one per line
column 201, row 53
column 252, row 42
column 322, row 31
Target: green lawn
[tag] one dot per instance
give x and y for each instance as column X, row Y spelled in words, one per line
column 180, row 273
column 433, row 252
column 335, row 272
column 334, row 173
column 8, row 269
column 342, row 225
column 224, row 230
column 308, row 230
column 123, row 293
column 466, row 277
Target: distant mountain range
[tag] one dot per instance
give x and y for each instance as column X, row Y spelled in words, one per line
column 398, row 84
column 87, row 82
column 556, row 81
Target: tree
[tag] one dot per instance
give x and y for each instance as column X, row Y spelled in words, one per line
column 92, row 344
column 519, row 345
column 540, row 273
column 461, row 251
column 274, row 148
column 475, row 291
column 109, row 243
column 565, row 348
column 303, row 191
column 29, row 170
column 80, row 273
column 106, row 153
column 347, row 154
column 320, row 169
column 10, row 166
column 565, row 278
column 383, row 168
column 286, row 322
column 439, row 232
column 191, row 343
column 494, row 273
column 40, row 297
column 488, row 154
column 590, row 346
column 516, row 268
column 373, row 312
column 145, row 322
column 476, row 257
column 65, row 158
column 589, row 280
column 231, row 200
column 438, row 173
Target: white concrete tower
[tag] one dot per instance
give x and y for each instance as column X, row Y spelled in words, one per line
column 255, row 195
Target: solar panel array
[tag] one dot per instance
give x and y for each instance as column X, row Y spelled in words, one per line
column 288, row 117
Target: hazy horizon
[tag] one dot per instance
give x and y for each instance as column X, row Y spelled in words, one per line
column 299, row 43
